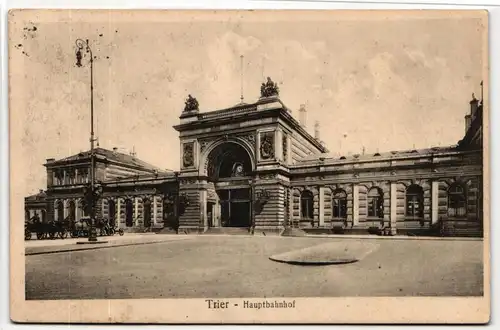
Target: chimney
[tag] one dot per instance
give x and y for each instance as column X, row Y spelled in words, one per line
column 302, row 115
column 133, row 153
column 473, row 106
column 115, row 150
column 40, row 191
column 316, row 130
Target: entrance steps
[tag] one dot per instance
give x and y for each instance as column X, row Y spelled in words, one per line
column 227, row 231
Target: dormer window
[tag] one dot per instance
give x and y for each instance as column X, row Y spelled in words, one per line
column 376, row 154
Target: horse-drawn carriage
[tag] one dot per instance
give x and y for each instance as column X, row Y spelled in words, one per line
column 61, row 228
column 50, row 229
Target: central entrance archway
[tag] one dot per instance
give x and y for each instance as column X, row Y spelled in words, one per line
column 235, row 207
column 229, row 168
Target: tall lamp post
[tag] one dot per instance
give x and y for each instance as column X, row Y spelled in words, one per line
column 81, row 46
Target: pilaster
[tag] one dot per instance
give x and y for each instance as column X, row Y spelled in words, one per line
column 278, row 142
column 434, row 202
column 136, row 211
column 203, row 209
column 118, row 217
column 321, row 206
column 355, row 204
column 155, row 209
column 289, row 148
column 393, row 207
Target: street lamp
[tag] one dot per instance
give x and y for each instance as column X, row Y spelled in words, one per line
column 81, row 46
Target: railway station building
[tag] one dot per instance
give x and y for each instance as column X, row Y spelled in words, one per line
column 254, row 169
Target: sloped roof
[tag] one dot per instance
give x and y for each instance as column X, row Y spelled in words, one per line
column 373, row 156
column 112, row 156
column 37, row 197
column 150, row 176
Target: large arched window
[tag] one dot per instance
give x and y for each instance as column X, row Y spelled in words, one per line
column 339, row 204
column 457, row 201
column 376, row 203
column 228, row 160
column 414, row 202
column 306, row 205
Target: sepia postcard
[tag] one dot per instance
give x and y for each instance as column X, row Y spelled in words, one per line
column 260, row 166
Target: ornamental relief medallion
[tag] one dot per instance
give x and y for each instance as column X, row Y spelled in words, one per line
column 204, row 144
column 188, row 154
column 250, row 138
column 267, row 145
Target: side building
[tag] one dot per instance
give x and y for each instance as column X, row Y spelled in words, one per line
column 254, row 168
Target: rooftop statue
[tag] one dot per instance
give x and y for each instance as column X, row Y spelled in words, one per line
column 269, row 88
column 191, row 104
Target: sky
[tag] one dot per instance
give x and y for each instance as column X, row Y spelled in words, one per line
column 382, row 82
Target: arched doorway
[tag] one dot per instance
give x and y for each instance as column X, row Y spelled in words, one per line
column 307, row 205
column 229, row 167
column 59, row 210
column 147, row 213
column 129, row 213
column 71, row 211
column 112, row 212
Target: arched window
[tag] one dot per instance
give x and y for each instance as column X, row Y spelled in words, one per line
column 60, row 210
column 129, row 213
column 147, row 213
column 414, row 202
column 71, row 210
column 112, row 213
column 457, row 201
column 339, row 204
column 376, row 203
column 306, row 205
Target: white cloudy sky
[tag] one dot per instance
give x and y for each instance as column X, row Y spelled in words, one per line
column 385, row 84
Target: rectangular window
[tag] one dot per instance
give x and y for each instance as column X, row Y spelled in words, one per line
column 375, row 207
column 339, row 208
column 372, row 207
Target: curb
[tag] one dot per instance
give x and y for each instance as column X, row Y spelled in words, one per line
column 373, row 237
column 401, row 237
column 96, row 247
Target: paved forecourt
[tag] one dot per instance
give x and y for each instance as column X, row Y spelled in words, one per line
column 237, row 266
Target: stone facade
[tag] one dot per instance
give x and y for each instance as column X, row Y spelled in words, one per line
column 254, row 166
